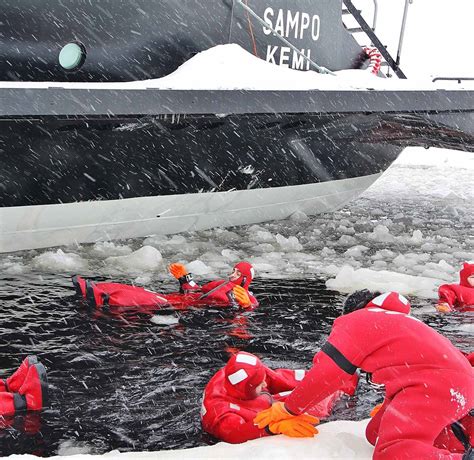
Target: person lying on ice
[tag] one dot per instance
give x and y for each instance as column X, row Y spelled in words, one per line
column 219, row 293
column 244, row 387
column 429, row 384
column 458, row 297
column 25, row 389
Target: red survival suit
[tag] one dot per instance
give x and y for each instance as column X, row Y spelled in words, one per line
column 230, row 402
column 218, row 293
column 25, row 389
column 429, row 384
column 459, row 297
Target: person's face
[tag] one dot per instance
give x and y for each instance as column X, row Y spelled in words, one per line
column 470, row 280
column 235, row 275
column 260, row 388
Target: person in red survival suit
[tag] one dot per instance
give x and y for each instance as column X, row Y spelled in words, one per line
column 219, row 293
column 244, row 387
column 233, row 291
column 429, row 384
column 458, row 297
column 25, row 389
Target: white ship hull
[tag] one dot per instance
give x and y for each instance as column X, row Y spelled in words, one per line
column 32, row 227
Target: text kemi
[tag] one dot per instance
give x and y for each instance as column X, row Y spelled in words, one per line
column 296, row 25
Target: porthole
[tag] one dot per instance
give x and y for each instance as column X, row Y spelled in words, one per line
column 72, row 56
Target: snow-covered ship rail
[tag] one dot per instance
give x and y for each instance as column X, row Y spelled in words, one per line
column 227, row 139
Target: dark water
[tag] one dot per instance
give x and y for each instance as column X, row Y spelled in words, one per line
column 119, row 381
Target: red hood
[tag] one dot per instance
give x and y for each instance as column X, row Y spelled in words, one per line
column 392, row 301
column 247, row 274
column 243, row 373
column 465, row 273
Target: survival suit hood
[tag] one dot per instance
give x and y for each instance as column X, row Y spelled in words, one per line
column 465, row 273
column 392, row 301
column 244, row 372
column 247, row 272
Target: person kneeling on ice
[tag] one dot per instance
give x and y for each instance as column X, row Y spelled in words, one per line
column 25, row 389
column 219, row 293
column 429, row 384
column 244, row 387
column 458, row 297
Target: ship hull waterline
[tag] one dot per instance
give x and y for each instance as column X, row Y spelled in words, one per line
column 88, row 222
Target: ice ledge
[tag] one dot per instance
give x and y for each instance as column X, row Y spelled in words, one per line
column 336, row 440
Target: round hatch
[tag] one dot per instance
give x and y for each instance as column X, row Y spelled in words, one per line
column 72, row 56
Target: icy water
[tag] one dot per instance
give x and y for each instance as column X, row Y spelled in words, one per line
column 133, row 381
column 120, row 381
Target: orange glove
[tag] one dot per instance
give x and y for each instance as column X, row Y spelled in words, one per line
column 177, row 270
column 443, row 308
column 374, row 411
column 276, row 413
column 301, row 426
column 241, row 296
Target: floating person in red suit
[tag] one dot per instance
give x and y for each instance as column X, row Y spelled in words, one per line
column 219, row 293
column 458, row 297
column 244, row 387
column 25, row 390
column 429, row 383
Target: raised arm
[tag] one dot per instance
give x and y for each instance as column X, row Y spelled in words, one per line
column 186, row 281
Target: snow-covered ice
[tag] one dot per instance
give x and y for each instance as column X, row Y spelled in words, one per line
column 147, row 258
column 336, row 440
column 164, row 320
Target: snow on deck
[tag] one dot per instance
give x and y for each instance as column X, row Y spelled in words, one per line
column 230, row 67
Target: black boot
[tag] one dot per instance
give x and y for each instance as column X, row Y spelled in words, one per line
column 79, row 285
column 469, row 455
column 90, row 294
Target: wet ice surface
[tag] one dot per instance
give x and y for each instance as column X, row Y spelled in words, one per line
column 133, row 381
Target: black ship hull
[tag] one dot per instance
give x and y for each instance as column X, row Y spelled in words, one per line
column 82, row 164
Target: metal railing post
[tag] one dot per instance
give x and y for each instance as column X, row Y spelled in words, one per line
column 402, row 31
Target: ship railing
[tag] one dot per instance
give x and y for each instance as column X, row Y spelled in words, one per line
column 369, row 31
column 354, row 30
column 458, row 79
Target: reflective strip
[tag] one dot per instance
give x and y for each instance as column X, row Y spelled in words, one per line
column 403, row 299
column 380, row 299
column 192, row 283
column 252, row 273
column 390, row 312
column 376, row 310
column 237, row 377
column 299, row 374
column 234, row 406
column 203, row 410
column 284, row 393
column 241, row 358
column 338, row 358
